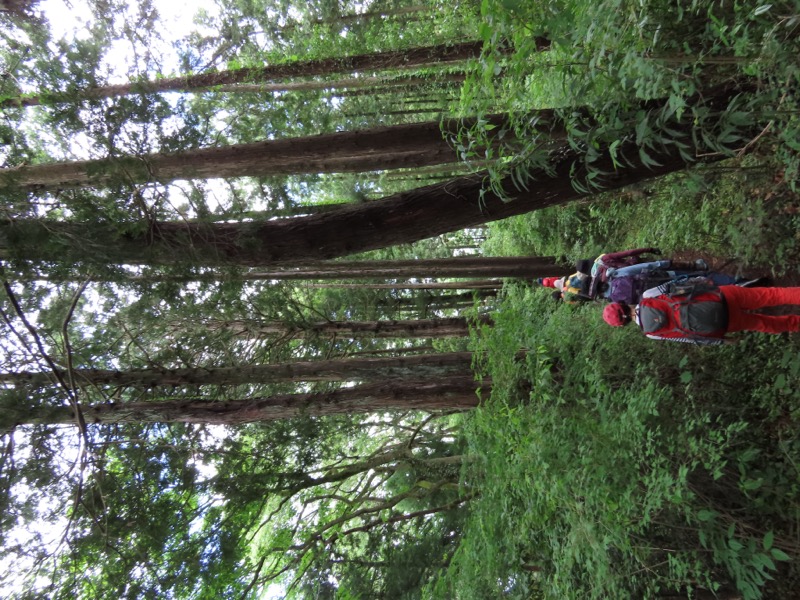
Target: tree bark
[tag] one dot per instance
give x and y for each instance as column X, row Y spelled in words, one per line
column 398, row 219
column 367, row 84
column 390, row 147
column 475, row 284
column 402, row 218
column 455, row 393
column 402, row 59
column 452, row 267
column 421, row 328
column 348, row 369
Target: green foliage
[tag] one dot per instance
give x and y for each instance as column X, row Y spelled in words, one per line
column 603, row 465
column 378, row 524
column 613, row 466
column 137, row 504
column 607, row 63
column 739, row 212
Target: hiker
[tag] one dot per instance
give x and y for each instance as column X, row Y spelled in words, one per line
column 571, row 288
column 630, row 262
column 699, row 312
column 618, row 260
column 619, row 276
column 630, row 288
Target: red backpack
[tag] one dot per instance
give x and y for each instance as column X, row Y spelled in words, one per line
column 696, row 310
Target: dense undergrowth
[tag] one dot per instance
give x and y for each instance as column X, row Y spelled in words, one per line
column 609, row 465
column 612, row 466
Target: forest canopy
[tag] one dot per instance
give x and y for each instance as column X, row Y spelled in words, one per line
column 270, row 319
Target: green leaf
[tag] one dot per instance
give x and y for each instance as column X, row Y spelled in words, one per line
column 779, row 554
column 768, row 539
column 511, row 5
column 646, row 160
column 642, row 130
column 705, row 515
column 676, row 105
column 766, row 561
column 739, row 118
column 749, row 455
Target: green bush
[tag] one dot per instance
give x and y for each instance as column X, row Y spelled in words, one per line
column 609, row 465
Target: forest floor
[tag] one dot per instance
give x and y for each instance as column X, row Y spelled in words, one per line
column 610, row 454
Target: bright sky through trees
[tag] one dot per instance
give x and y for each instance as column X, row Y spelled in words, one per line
column 141, row 209
column 70, row 19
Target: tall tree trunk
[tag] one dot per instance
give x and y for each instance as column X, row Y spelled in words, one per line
column 402, row 59
column 366, row 84
column 420, row 328
column 475, row 284
column 399, row 219
column 454, row 393
column 390, row 147
column 348, row 369
column 359, row 17
column 527, row 268
column 431, row 268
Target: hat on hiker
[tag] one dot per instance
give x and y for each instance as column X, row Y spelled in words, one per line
column 616, row 314
column 548, row 281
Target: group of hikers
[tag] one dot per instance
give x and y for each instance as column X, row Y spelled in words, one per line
column 676, row 300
